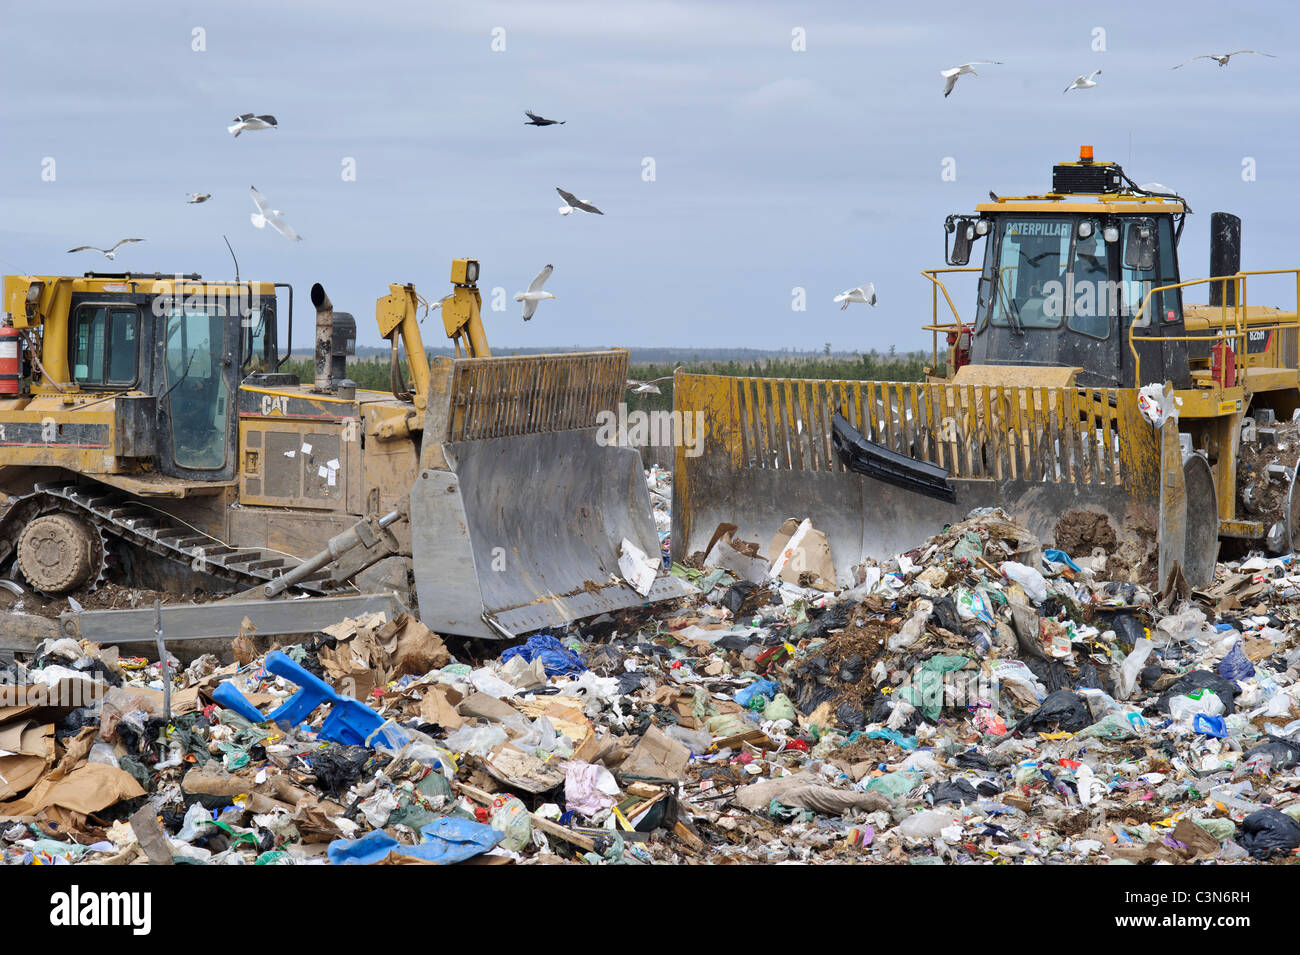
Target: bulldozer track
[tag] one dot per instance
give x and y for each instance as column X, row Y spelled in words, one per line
column 114, row 515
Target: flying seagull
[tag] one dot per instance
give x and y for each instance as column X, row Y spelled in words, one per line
column 197, row 197
column 650, row 387
column 573, row 202
column 110, row 253
column 265, row 216
column 950, row 76
column 535, row 293
column 535, row 120
column 863, row 293
column 1083, row 82
column 1221, row 58
column 246, row 122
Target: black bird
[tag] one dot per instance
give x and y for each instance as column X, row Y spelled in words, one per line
column 535, row 120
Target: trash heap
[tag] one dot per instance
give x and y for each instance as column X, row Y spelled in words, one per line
column 980, row 698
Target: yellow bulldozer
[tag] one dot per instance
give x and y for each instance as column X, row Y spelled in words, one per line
column 1082, row 395
column 146, row 432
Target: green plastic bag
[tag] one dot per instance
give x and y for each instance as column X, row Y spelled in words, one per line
column 896, row 784
column 780, row 708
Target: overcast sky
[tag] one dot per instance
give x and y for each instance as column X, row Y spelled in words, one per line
column 774, row 168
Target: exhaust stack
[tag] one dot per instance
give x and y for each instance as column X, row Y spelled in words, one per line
column 336, row 338
column 324, row 335
column 1225, row 257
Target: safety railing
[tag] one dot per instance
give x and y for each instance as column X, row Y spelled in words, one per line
column 936, row 327
column 530, row 394
column 1232, row 325
column 1039, row 434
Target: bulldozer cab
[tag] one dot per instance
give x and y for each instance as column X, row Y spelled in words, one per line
column 1065, row 276
column 169, row 352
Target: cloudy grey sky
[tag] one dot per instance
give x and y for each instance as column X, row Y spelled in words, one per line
column 774, row 168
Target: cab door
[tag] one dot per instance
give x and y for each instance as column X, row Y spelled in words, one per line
column 198, row 353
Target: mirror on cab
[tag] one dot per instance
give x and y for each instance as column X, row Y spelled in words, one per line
column 1140, row 246
column 964, row 233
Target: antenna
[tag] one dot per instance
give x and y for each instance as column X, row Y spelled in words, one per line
column 232, row 255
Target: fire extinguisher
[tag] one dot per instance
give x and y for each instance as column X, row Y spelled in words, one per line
column 1223, row 364
column 10, row 362
column 959, row 348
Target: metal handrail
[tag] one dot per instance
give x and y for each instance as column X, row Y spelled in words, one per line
column 934, row 327
column 1239, row 324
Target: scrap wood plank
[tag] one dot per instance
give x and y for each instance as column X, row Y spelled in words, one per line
column 548, row 826
column 755, row 737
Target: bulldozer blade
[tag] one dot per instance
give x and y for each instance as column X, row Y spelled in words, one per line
column 519, row 515
column 1049, row 457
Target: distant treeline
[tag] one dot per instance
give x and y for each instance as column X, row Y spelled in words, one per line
column 374, row 374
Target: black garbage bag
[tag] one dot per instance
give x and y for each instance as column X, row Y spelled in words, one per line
column 851, row 669
column 945, row 614
column 834, row 617
column 1062, row 710
column 734, row 641
column 972, row 759
column 1283, row 752
column 1128, row 628
column 1198, row 680
column 336, row 767
column 951, row 791
column 1090, row 676
column 629, row 682
column 882, row 709
column 850, row 716
column 1052, row 673
column 1148, row 675
column 812, row 683
column 1267, row 832
column 988, row 787
column 736, row 595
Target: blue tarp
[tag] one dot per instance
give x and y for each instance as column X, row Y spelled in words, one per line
column 445, row 841
column 556, row 659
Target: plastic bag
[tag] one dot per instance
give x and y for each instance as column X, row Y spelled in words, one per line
column 1031, row 581
column 912, row 629
column 780, row 708
column 511, row 817
column 1062, row 710
column 1235, row 666
column 1268, row 832
column 1132, row 666
column 476, row 740
column 971, row 605
column 556, row 658
column 103, row 753
column 1184, row 708
column 927, row 824
column 893, row 785
column 1157, row 406
column 764, row 689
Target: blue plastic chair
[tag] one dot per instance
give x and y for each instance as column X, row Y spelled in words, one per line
column 349, row 721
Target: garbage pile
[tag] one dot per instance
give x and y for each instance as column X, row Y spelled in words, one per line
column 978, row 699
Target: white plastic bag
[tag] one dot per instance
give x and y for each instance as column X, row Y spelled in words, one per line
column 1031, row 581
column 1157, row 406
column 1132, row 666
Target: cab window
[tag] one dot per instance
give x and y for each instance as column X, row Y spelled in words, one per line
column 255, row 339
column 106, row 345
column 1092, row 295
column 1031, row 260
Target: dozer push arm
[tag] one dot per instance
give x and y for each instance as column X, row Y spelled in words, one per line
column 395, row 313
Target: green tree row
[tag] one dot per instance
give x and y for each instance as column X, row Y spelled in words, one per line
column 373, row 374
